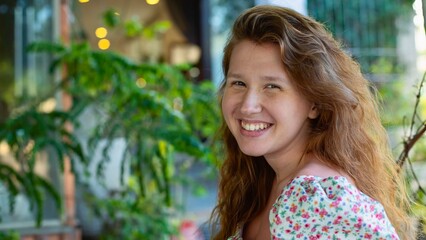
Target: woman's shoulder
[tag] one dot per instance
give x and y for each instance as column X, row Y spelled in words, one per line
column 324, row 189
column 313, row 166
column 336, row 184
column 321, row 206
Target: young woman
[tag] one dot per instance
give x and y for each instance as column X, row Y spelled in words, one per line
column 306, row 154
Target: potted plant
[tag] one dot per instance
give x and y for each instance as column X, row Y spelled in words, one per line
column 152, row 107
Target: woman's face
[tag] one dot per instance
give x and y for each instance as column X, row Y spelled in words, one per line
column 261, row 107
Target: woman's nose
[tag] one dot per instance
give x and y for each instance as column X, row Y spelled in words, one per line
column 251, row 103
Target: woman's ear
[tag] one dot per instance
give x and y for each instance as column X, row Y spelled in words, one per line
column 313, row 113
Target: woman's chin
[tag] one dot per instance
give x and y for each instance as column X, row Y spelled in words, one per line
column 251, row 153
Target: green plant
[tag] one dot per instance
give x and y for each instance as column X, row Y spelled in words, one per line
column 153, row 107
column 126, row 215
column 10, row 235
column 28, row 134
column 134, row 27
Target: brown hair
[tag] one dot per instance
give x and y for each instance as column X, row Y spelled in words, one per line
column 347, row 134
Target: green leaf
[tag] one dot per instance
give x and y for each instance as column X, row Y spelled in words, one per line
column 133, row 28
column 49, row 47
column 49, row 188
column 111, row 18
column 8, row 176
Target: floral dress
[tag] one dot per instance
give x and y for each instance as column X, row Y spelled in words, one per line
column 311, row 208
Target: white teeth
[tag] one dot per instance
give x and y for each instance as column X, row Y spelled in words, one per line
column 254, row 126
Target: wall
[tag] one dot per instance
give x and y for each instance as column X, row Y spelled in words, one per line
column 90, row 14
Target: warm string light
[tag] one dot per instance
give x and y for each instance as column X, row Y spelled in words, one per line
column 83, row 1
column 152, row 2
column 104, row 44
column 101, row 32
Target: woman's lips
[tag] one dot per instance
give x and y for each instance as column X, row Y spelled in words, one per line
column 253, row 128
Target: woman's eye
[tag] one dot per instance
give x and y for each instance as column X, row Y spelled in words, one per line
column 237, row 83
column 272, row 86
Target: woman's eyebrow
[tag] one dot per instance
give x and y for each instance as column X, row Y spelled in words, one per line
column 234, row 75
column 265, row 78
column 273, row 78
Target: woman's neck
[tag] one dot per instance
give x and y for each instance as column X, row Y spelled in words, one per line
column 287, row 168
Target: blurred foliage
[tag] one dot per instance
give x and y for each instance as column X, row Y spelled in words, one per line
column 6, row 84
column 9, row 235
column 111, row 18
column 134, row 27
column 127, row 216
column 384, row 65
column 28, row 134
column 396, row 103
column 153, row 107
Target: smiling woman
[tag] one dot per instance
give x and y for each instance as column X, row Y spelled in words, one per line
column 256, row 92
column 306, row 154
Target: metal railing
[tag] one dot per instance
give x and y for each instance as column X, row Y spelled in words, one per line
column 366, row 28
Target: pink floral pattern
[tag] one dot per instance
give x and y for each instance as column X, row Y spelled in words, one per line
column 311, row 208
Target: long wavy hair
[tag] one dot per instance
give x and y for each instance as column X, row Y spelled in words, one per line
column 347, row 134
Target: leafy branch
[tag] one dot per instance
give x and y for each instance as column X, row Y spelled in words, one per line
column 417, row 130
column 414, row 135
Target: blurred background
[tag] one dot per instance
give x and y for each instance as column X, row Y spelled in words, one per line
column 108, row 109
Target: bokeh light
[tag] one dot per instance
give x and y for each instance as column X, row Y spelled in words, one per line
column 101, row 32
column 141, row 82
column 104, row 44
column 194, row 72
column 152, row 2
